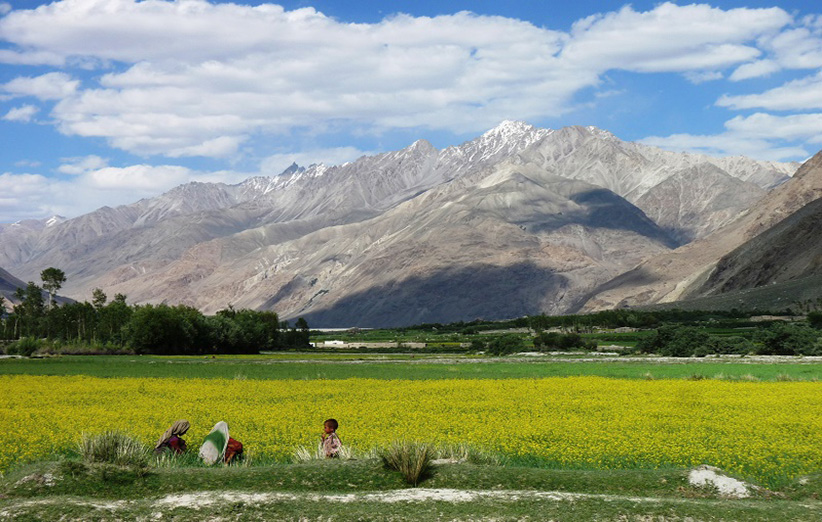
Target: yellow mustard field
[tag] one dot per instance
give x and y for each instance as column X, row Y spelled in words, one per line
column 761, row 430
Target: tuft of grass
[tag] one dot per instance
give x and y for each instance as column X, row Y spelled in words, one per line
column 114, row 447
column 464, row 453
column 303, row 454
column 411, row 459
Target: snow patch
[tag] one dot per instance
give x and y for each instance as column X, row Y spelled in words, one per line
column 709, row 476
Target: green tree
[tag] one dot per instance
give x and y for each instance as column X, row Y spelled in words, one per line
column 164, row 329
column 30, row 311
column 112, row 319
column 98, row 298
column 815, row 320
column 53, row 279
column 788, row 339
column 505, row 344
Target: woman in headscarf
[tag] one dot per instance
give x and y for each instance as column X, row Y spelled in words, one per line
column 172, row 440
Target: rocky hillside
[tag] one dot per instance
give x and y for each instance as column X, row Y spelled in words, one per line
column 683, row 272
column 8, row 286
column 519, row 220
column 788, row 251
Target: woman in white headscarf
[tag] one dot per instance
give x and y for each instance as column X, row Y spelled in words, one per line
column 171, row 439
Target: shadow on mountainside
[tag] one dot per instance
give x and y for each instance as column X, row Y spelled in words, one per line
column 604, row 209
column 458, row 294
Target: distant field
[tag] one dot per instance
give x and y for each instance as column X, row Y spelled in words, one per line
column 396, row 366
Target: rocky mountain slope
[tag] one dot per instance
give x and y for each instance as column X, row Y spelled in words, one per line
column 519, row 220
column 790, row 250
column 503, row 242
column 8, row 286
column 679, row 274
column 690, row 195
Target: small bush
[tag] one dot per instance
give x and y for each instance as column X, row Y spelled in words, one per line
column 26, row 346
column 550, row 341
column 477, row 345
column 411, row 459
column 114, row 447
column 789, row 339
column 505, row 345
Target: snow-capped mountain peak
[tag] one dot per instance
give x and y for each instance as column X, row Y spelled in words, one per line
column 54, row 220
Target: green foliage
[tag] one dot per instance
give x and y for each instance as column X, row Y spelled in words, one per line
column 98, row 298
column 26, row 346
column 167, row 329
column 789, row 339
column 411, row 459
column 505, row 344
column 114, row 447
column 244, row 331
column 688, row 341
column 814, row 319
column 29, row 314
column 477, row 345
column 555, row 341
column 53, row 279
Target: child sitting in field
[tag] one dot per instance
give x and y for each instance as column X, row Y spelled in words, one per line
column 331, row 443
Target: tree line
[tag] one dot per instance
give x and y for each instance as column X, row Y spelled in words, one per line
column 113, row 325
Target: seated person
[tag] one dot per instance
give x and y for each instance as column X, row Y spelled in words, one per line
column 233, row 451
column 172, row 438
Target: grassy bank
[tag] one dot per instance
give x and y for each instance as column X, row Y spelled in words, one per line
column 345, row 366
column 364, row 490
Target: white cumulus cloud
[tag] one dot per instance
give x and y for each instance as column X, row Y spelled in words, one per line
column 50, row 86
column 81, row 165
column 805, row 93
column 754, row 70
column 24, row 113
column 194, row 78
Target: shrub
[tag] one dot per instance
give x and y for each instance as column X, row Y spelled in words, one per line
column 114, row 447
column 477, row 345
column 411, row 459
column 732, row 345
column 815, row 320
column 556, row 341
column 789, row 339
column 505, row 344
column 26, row 346
column 679, row 341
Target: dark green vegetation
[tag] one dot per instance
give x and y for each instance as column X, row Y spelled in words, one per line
column 776, row 339
column 674, row 333
column 116, row 327
column 344, row 366
column 364, row 490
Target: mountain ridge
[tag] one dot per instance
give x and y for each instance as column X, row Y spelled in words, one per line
column 307, row 240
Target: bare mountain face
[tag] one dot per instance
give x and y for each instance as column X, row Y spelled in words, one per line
column 519, row 220
column 502, row 242
column 675, row 275
column 690, row 195
column 788, row 251
column 8, row 286
column 693, row 202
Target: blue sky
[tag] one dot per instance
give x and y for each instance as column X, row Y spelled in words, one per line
column 103, row 102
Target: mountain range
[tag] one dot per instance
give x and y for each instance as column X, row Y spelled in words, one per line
column 518, row 221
